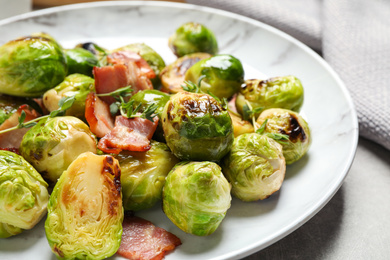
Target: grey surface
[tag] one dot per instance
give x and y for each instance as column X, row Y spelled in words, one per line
column 355, row 224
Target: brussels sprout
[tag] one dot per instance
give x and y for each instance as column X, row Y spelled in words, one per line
column 197, row 127
column 52, row 144
column 143, row 175
column 81, row 61
column 193, row 37
column 255, row 167
column 150, row 56
column 279, row 92
column 23, row 195
column 223, row 75
column 85, row 212
column 147, row 98
column 240, row 126
column 29, row 66
column 196, row 197
column 77, row 85
column 287, row 122
column 95, row 49
column 172, row 76
column 9, row 230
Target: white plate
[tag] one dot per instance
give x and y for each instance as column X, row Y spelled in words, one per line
column 310, row 183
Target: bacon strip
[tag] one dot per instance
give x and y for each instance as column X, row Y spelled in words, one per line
column 141, row 240
column 13, row 138
column 123, row 57
column 98, row 116
column 127, row 69
column 131, row 134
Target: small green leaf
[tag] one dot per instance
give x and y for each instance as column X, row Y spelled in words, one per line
column 280, row 138
column 262, row 127
column 190, row 86
column 21, row 118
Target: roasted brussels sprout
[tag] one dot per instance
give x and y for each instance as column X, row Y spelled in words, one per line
column 143, row 175
column 193, row 37
column 85, row 212
column 279, row 92
column 31, row 65
column 172, row 76
column 197, row 127
column 150, row 56
column 80, row 61
column 52, row 144
column 223, row 75
column 291, row 124
column 77, row 85
column 23, row 195
column 147, row 98
column 196, row 197
column 255, row 167
column 240, row 126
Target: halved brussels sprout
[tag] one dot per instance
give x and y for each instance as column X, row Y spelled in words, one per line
column 85, row 212
column 255, row 167
column 279, row 92
column 154, row 59
column 23, row 195
column 197, row 127
column 196, row 197
column 80, row 61
column 172, row 76
column 193, row 37
column 147, row 98
column 223, row 75
column 143, row 175
column 77, row 85
column 290, row 123
column 52, row 144
column 9, row 230
column 31, row 65
column 240, row 126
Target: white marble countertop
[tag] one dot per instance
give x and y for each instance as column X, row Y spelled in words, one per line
column 355, row 224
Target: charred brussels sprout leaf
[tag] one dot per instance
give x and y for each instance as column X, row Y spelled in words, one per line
column 193, row 37
column 255, row 167
column 29, row 66
column 23, row 195
column 52, row 144
column 286, row 122
column 85, row 211
column 80, row 61
column 154, row 59
column 145, row 99
column 143, row 175
column 196, row 197
column 172, row 76
column 279, row 92
column 77, row 85
column 197, row 127
column 223, row 75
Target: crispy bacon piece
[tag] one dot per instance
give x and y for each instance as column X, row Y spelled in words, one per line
column 122, row 57
column 141, row 240
column 13, row 139
column 132, row 134
column 127, row 68
column 98, row 116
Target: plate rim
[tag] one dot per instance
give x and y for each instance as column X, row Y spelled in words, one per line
column 316, row 207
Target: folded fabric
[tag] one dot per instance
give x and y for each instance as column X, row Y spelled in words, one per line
column 353, row 37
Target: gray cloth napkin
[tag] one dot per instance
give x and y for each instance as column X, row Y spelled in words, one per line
column 353, row 37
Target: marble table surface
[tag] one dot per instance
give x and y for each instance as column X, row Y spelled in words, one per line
column 355, row 224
